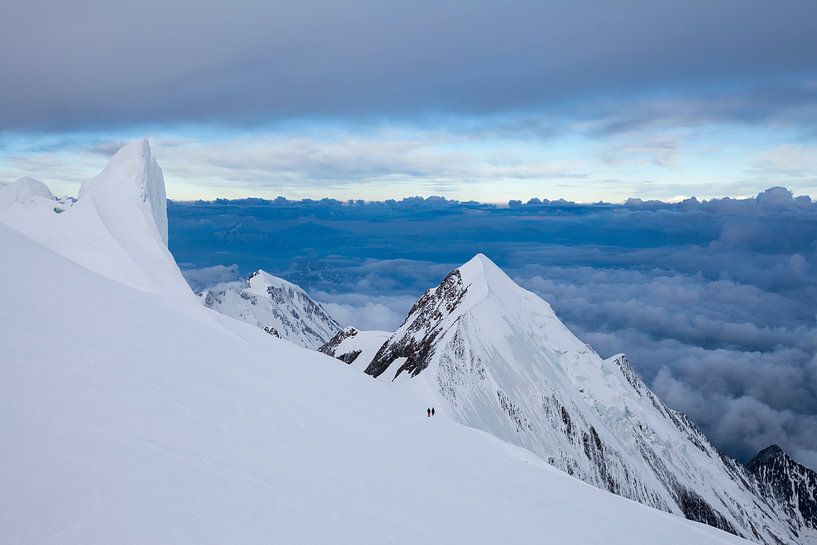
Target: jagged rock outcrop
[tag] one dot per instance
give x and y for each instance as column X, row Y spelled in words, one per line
column 418, row 335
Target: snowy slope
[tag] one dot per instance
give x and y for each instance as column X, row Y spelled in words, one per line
column 117, row 227
column 355, row 347
column 494, row 356
column 276, row 306
column 130, row 418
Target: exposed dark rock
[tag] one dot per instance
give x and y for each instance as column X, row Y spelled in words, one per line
column 349, row 357
column 425, row 316
column 513, row 411
column 330, row 347
column 696, row 508
column 568, row 423
column 791, row 483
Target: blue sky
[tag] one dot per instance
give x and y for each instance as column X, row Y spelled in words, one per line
column 471, row 100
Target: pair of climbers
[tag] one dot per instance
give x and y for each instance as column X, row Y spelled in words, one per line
column 430, row 412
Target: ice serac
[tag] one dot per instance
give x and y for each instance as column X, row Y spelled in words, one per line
column 117, row 227
column 496, row 357
column 277, row 306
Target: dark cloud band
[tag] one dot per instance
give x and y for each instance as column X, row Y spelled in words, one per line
column 94, row 63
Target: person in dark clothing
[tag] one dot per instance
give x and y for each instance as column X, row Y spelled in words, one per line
column 429, row 412
column 432, row 411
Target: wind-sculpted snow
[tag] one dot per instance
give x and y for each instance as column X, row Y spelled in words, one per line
column 132, row 168
column 276, row 306
column 117, row 227
column 495, row 356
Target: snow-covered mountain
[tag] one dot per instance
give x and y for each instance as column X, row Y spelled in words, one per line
column 130, row 413
column 278, row 307
column 494, row 356
column 792, row 484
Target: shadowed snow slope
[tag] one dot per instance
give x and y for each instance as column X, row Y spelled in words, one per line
column 128, row 416
column 494, row 356
column 278, row 307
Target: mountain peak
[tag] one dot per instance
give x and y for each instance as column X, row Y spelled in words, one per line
column 260, row 280
column 277, row 306
column 767, row 455
column 792, row 483
column 773, row 450
column 479, row 260
column 481, row 269
column 131, row 168
column 477, row 291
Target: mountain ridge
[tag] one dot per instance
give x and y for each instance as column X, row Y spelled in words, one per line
column 496, row 357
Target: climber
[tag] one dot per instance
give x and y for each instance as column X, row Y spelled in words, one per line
column 429, row 412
